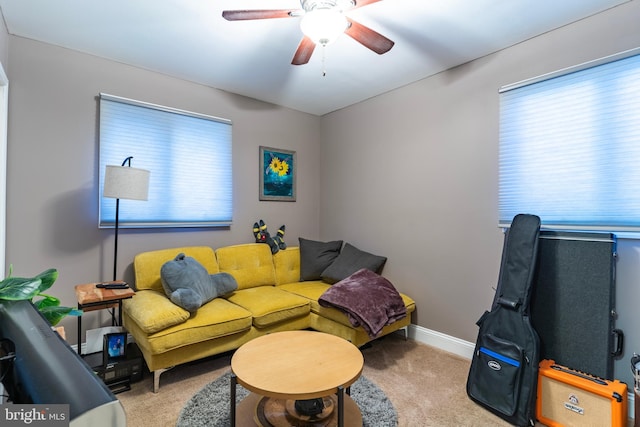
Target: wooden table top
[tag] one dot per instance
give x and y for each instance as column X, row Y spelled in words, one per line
column 89, row 294
column 297, row 364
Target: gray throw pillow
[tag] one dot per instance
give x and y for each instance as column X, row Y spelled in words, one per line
column 315, row 257
column 350, row 260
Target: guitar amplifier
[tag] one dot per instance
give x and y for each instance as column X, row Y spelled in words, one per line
column 569, row 398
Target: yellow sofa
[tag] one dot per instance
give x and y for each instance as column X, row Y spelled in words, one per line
column 270, row 298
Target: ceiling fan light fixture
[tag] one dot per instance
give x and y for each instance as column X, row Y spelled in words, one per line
column 323, row 25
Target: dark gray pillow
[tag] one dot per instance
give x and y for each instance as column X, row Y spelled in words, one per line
column 315, row 257
column 350, row 260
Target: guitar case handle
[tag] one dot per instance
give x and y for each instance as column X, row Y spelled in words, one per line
column 513, row 305
column 619, row 339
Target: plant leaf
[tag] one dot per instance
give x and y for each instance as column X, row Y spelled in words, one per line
column 46, row 301
column 19, row 288
column 54, row 314
column 48, row 278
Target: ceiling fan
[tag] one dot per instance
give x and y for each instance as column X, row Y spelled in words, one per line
column 322, row 22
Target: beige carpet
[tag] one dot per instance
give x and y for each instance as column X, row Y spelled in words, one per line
column 425, row 384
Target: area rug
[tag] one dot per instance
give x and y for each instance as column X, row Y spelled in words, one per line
column 210, row 406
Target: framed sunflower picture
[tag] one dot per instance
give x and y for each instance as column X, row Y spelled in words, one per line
column 277, row 174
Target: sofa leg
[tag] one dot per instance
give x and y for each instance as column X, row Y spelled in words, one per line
column 405, row 332
column 156, row 378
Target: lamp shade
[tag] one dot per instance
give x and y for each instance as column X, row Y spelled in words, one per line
column 122, row 182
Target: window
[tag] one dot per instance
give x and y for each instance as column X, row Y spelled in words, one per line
column 188, row 156
column 570, row 146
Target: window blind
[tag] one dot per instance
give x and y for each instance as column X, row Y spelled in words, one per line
column 570, row 146
column 189, row 157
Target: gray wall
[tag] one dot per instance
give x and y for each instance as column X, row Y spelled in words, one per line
column 413, row 174
column 53, row 154
column 4, row 43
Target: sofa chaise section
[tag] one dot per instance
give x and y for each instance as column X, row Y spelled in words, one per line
column 328, row 319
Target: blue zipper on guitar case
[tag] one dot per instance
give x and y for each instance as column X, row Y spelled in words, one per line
column 500, row 357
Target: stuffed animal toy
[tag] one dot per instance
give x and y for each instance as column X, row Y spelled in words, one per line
column 279, row 239
column 188, row 284
column 262, row 235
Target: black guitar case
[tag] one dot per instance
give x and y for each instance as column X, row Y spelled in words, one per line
column 504, row 368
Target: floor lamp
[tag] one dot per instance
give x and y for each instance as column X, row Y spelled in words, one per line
column 124, row 182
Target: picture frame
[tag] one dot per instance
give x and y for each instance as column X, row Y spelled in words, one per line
column 114, row 347
column 277, row 174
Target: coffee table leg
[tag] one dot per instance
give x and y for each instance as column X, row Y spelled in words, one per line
column 232, row 408
column 340, row 406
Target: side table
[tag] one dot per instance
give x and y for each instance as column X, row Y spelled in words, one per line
column 91, row 298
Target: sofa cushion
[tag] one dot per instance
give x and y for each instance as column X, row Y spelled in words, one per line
column 350, row 260
column 153, row 311
column 270, row 305
column 250, row 264
column 310, row 289
column 147, row 265
column 217, row 318
column 315, row 257
column 287, row 265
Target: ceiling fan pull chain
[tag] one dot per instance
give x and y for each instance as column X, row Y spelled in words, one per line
column 324, row 68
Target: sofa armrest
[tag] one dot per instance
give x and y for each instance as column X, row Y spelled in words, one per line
column 153, row 312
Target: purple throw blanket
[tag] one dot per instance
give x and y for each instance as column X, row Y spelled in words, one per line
column 368, row 299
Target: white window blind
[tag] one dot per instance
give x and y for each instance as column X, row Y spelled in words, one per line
column 188, row 156
column 570, row 146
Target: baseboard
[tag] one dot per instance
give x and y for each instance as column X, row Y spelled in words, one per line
column 465, row 349
column 442, row 341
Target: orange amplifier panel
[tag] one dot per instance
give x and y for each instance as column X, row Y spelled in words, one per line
column 568, row 398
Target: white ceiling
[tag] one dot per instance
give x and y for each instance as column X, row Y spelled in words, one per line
column 189, row 39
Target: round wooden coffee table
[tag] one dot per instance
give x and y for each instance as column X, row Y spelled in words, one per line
column 283, row 369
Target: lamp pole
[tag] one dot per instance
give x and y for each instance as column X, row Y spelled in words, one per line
column 115, row 243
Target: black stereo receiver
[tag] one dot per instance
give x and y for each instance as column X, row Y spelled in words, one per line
column 119, row 373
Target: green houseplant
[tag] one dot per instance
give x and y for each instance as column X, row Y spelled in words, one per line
column 32, row 288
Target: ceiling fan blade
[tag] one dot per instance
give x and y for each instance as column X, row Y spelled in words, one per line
column 304, row 51
column 244, row 15
column 360, row 3
column 368, row 37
